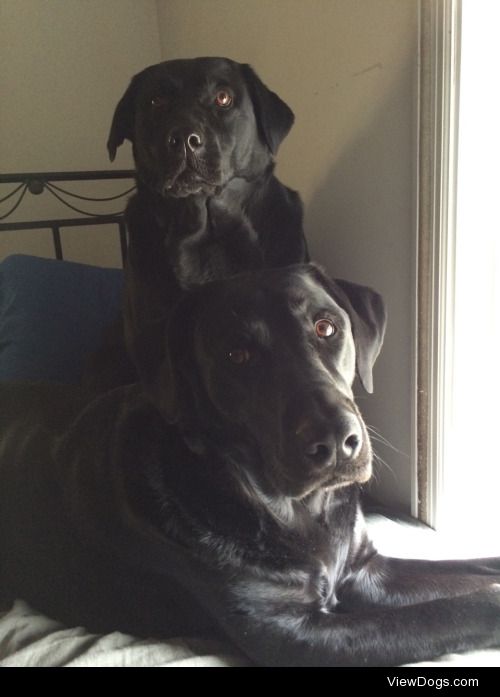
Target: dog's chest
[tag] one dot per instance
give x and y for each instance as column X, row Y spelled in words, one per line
column 325, row 576
column 215, row 254
column 326, row 559
column 199, row 262
column 309, row 572
column 209, row 240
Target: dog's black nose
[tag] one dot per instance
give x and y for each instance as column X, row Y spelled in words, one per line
column 349, row 437
column 177, row 140
column 340, row 442
column 351, row 446
column 321, row 453
column 194, row 142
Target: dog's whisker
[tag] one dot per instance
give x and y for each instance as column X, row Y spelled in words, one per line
column 379, row 460
column 375, row 435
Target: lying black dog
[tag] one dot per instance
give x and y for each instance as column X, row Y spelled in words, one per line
column 204, row 133
column 231, row 507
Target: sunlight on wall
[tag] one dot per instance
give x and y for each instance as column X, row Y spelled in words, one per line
column 472, row 477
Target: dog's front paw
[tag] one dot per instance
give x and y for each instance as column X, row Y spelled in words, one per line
column 485, row 614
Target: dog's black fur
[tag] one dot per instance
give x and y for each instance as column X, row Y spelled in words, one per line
column 207, row 202
column 225, row 501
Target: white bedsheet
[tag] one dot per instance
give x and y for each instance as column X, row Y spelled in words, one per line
column 28, row 638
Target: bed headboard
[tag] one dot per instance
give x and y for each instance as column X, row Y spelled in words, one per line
column 36, row 183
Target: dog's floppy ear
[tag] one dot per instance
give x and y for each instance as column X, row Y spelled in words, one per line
column 274, row 117
column 367, row 312
column 122, row 126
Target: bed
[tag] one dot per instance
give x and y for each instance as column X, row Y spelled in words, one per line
column 52, row 314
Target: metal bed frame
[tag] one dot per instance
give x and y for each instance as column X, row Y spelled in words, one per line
column 36, row 183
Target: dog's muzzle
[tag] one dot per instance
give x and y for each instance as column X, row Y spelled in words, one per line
column 190, row 160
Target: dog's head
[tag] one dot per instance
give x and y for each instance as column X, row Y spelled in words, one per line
column 197, row 123
column 263, row 364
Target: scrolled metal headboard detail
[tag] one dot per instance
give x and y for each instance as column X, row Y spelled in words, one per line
column 36, row 183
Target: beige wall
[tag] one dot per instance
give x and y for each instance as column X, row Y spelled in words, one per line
column 65, row 64
column 347, row 68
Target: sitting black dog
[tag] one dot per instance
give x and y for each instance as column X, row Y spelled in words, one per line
column 225, row 501
column 204, row 133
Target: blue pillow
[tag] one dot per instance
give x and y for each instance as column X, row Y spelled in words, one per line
column 52, row 316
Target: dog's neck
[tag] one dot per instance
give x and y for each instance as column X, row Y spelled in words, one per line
column 242, row 188
column 279, row 530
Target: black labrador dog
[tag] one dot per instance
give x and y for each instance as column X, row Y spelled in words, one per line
column 225, row 502
column 204, row 133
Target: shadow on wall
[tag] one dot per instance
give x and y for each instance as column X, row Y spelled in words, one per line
column 361, row 226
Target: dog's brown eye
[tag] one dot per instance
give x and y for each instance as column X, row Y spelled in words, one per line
column 224, row 99
column 239, row 356
column 324, row 328
column 158, row 101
